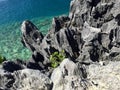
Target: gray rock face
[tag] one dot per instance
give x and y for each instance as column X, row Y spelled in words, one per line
column 95, row 12
column 26, row 79
column 68, row 76
column 96, row 76
column 99, row 24
column 104, row 77
column 90, row 37
column 31, row 37
column 89, row 33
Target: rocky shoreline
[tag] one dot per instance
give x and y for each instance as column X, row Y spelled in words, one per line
column 91, row 41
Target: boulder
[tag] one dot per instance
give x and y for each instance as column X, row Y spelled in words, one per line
column 68, row 76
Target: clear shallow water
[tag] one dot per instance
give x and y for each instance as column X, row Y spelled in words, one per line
column 13, row 12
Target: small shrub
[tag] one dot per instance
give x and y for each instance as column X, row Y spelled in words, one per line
column 2, row 59
column 56, row 58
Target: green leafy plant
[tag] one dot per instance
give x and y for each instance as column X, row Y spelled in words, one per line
column 2, row 59
column 56, row 58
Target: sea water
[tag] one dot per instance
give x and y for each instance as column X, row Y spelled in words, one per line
column 14, row 12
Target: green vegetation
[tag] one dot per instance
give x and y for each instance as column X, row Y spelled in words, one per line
column 56, row 58
column 2, row 59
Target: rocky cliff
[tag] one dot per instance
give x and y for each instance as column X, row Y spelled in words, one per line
column 91, row 41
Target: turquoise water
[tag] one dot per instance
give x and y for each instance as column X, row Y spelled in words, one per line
column 13, row 12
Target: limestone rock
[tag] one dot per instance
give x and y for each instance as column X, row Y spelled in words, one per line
column 98, row 21
column 31, row 37
column 26, row 79
column 68, row 76
column 90, row 37
column 104, row 77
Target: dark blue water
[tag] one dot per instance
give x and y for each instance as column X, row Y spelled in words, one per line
column 18, row 10
column 13, row 12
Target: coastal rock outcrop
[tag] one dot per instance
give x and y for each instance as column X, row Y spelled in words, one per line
column 92, row 27
column 104, row 77
column 69, row 76
column 77, row 76
column 99, row 27
column 90, row 38
column 26, row 79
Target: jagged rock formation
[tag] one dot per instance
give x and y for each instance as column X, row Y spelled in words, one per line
column 26, row 79
column 91, row 41
column 68, row 76
column 99, row 26
column 92, row 24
